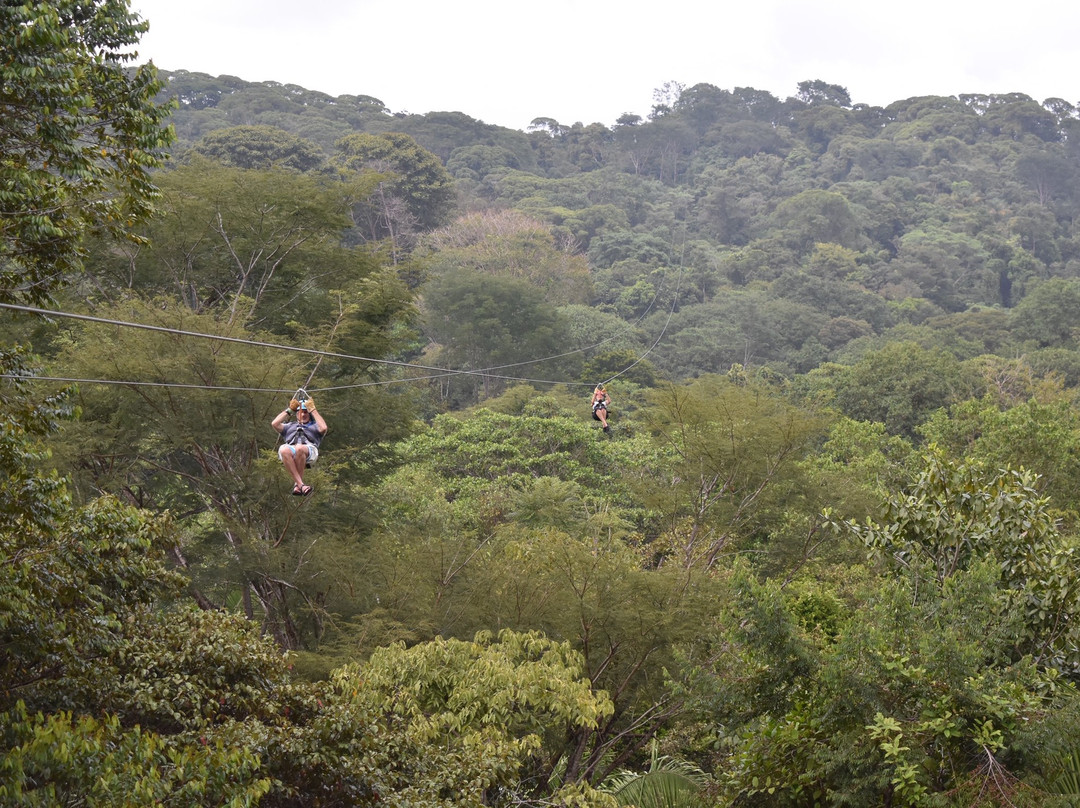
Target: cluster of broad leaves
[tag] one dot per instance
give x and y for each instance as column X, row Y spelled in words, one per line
column 833, row 566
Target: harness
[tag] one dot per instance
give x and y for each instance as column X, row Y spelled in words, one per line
column 297, row 433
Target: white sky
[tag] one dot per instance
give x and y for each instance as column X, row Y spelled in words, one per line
column 507, row 62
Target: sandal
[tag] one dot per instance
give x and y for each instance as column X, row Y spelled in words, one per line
column 304, row 490
column 298, row 490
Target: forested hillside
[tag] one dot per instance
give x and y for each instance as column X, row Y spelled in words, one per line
column 825, row 555
column 788, row 233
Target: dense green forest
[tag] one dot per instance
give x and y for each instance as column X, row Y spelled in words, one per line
column 825, row 556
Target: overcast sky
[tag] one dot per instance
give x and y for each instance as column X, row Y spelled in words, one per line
column 507, row 62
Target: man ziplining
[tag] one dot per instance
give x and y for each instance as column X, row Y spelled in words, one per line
column 300, row 440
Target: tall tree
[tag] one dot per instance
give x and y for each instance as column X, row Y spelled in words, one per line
column 260, row 147
column 900, row 385
column 262, row 246
column 485, row 322
column 815, row 216
column 204, row 452
column 874, row 691
column 79, row 137
column 955, row 515
column 508, row 244
column 537, row 492
column 1048, row 314
column 821, row 92
column 415, row 191
column 732, row 445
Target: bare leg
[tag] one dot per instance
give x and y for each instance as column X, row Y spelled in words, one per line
column 294, row 463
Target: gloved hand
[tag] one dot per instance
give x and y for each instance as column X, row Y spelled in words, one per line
column 310, row 404
column 293, row 406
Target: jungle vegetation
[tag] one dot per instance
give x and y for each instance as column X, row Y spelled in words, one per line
column 826, row 557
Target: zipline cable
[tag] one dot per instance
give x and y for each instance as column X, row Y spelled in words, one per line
column 583, row 349
column 663, row 330
column 276, row 346
column 73, row 380
column 441, row 372
column 225, row 388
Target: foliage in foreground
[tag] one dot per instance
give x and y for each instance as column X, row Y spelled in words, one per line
column 106, row 691
column 913, row 685
column 110, row 687
column 79, row 137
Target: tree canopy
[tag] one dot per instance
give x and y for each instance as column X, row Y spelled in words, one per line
column 79, row 137
column 824, row 555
